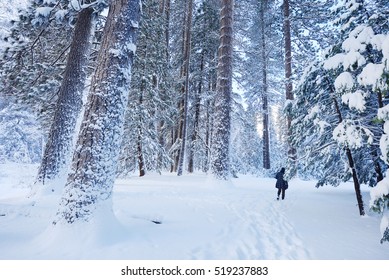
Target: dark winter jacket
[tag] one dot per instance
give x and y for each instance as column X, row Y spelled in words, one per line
column 281, row 183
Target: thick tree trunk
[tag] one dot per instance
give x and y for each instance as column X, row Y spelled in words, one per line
column 265, row 106
column 58, row 148
column 92, row 176
column 220, row 160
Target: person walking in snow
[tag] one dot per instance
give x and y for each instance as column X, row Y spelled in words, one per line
column 281, row 184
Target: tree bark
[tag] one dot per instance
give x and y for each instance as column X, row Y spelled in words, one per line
column 196, row 117
column 351, row 163
column 177, row 133
column 265, row 106
column 60, row 140
column 187, row 50
column 141, row 162
column 91, row 179
column 220, row 160
column 288, row 73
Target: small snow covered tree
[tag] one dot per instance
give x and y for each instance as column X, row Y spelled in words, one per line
column 376, row 75
column 90, row 182
column 220, row 154
column 246, row 147
column 20, row 135
column 316, row 113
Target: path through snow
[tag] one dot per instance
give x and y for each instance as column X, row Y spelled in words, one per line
column 232, row 221
column 199, row 218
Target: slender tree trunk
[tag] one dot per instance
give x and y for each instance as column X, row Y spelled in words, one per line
column 212, row 84
column 90, row 183
column 165, row 13
column 351, row 163
column 208, row 133
column 57, row 151
column 288, row 73
column 265, row 106
column 375, row 154
column 220, row 158
column 196, row 117
column 141, row 162
column 181, row 103
column 187, row 50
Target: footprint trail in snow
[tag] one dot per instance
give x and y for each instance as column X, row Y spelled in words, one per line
column 249, row 234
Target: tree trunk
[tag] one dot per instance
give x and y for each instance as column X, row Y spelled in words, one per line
column 265, row 106
column 185, row 104
column 196, row 117
column 351, row 163
column 165, row 13
column 181, row 103
column 91, row 180
column 57, row 151
column 375, row 153
column 220, row 160
column 288, row 73
column 141, row 162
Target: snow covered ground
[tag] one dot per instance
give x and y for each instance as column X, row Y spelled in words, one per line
column 165, row 217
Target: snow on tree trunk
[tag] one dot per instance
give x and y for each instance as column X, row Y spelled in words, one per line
column 187, row 49
column 265, row 105
column 351, row 162
column 220, row 160
column 60, row 139
column 288, row 71
column 141, row 161
column 196, row 120
column 92, row 177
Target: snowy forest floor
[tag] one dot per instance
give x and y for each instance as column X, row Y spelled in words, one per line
column 198, row 218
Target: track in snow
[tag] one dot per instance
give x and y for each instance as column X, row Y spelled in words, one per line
column 257, row 228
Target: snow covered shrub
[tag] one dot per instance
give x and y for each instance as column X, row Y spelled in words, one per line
column 20, row 137
column 380, row 203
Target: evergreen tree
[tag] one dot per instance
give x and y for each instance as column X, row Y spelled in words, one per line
column 20, row 135
column 343, row 79
column 205, row 42
column 246, row 145
column 150, row 103
column 260, row 69
column 33, row 62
